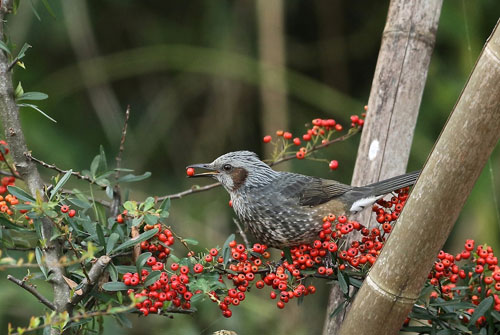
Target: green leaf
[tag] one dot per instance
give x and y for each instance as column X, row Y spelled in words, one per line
column 111, row 242
column 101, row 214
column 103, row 163
column 113, row 286
column 342, row 283
column 143, row 237
column 190, row 241
column 141, row 260
column 125, row 268
column 481, row 309
column 288, row 255
column 49, row 8
column 23, row 50
column 60, row 184
column 4, row 47
column 39, row 260
column 38, row 110
column 165, row 205
column 123, row 320
column 95, row 165
column 129, row 178
column 226, row 252
column 152, row 278
column 151, row 219
column 19, row 90
column 100, row 235
column 80, row 203
column 148, row 204
column 113, row 272
column 32, row 96
column 6, row 223
column 20, row 193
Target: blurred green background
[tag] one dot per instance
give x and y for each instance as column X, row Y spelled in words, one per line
column 190, row 72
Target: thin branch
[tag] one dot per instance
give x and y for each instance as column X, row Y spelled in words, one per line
column 242, row 233
column 117, row 199
column 31, row 289
column 54, row 167
column 194, row 189
column 93, row 276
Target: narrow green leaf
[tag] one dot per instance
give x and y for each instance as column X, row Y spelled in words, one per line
column 190, row 241
column 4, row 47
column 151, row 219
column 95, row 165
column 103, row 163
column 226, row 252
column 38, row 110
column 113, row 272
column 113, row 286
column 35, row 12
column 100, row 235
column 101, row 214
column 6, row 223
column 23, row 50
column 49, row 8
column 152, row 277
column 129, row 178
column 130, row 243
column 481, row 309
column 32, row 96
column 109, row 192
column 342, row 283
column 165, row 205
column 60, row 184
column 125, row 268
column 80, row 203
column 20, row 193
column 111, row 242
column 39, row 260
column 141, row 260
column 288, row 255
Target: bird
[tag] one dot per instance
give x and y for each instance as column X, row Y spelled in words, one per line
column 285, row 209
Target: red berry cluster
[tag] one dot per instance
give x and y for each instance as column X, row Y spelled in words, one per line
column 167, row 288
column 65, row 209
column 388, row 211
column 481, row 275
column 4, row 150
column 6, row 181
column 320, row 133
column 159, row 244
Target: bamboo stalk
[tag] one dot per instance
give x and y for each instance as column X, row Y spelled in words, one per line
column 466, row 142
column 395, row 97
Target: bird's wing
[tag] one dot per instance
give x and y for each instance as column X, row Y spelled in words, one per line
column 311, row 191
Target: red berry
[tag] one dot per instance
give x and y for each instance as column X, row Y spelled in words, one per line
column 64, row 208
column 267, row 138
column 296, row 141
column 190, row 172
column 300, row 155
column 151, row 261
column 306, row 137
column 198, row 268
column 333, row 165
column 71, row 213
column 338, row 127
column 287, row 136
column 119, row 218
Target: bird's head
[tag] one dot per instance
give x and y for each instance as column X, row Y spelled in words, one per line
column 237, row 170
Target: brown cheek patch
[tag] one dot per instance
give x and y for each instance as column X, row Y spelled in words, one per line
column 239, row 175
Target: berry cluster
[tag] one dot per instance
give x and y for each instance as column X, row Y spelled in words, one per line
column 66, row 209
column 167, row 288
column 159, row 244
column 470, row 282
column 320, row 133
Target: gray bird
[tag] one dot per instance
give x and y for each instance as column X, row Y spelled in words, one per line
column 284, row 209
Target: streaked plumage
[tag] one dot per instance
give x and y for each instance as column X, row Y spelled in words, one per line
column 286, row 209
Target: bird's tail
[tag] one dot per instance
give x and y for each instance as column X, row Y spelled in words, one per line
column 361, row 197
column 395, row 183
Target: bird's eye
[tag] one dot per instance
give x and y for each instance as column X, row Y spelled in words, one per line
column 227, row 167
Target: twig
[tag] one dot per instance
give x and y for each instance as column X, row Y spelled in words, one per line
column 31, row 289
column 242, row 233
column 72, row 247
column 93, row 276
column 54, row 167
column 194, row 189
column 12, row 170
column 117, row 199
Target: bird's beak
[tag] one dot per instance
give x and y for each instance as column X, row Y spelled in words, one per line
column 210, row 173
